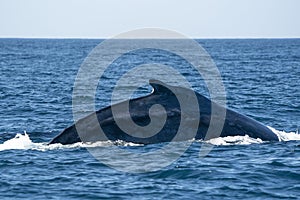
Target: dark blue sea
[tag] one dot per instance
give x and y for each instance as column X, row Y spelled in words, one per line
column 261, row 79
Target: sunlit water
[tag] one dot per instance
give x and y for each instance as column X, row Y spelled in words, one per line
column 261, row 79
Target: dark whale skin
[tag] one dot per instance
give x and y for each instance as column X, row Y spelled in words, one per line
column 235, row 124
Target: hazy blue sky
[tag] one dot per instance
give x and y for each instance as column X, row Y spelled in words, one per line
column 194, row 18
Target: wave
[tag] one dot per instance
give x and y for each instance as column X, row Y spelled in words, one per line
column 23, row 141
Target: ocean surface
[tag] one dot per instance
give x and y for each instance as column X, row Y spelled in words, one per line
column 261, row 79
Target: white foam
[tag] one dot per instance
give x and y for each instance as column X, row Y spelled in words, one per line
column 246, row 140
column 18, row 142
column 23, row 141
column 284, row 136
column 234, row 140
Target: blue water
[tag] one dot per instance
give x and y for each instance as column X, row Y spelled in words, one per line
column 261, row 79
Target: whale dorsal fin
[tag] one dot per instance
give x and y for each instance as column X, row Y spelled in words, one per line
column 159, row 87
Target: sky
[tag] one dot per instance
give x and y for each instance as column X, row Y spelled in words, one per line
column 107, row 18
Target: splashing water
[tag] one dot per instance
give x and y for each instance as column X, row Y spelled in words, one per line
column 18, row 142
column 24, row 142
column 246, row 140
column 283, row 136
column 234, row 140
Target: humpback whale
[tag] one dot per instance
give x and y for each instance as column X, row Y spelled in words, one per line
column 139, row 108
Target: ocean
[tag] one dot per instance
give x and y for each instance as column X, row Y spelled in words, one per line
column 261, row 80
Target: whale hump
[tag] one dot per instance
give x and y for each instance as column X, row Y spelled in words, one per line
column 166, row 96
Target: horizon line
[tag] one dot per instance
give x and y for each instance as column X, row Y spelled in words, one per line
column 105, row 38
